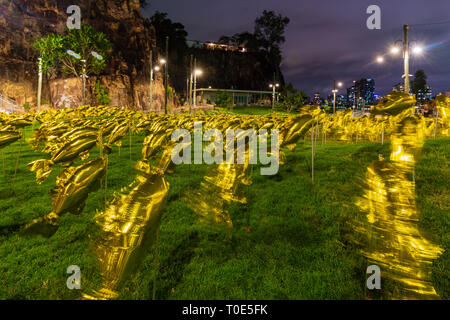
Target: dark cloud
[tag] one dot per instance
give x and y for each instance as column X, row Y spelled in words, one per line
column 328, row 39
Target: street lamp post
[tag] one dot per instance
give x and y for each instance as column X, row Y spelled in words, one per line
column 196, row 73
column 273, row 86
column 151, row 80
column 334, row 94
column 406, row 53
column 406, row 56
column 39, row 86
column 84, row 80
column 191, row 79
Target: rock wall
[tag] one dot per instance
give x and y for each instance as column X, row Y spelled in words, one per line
column 127, row 75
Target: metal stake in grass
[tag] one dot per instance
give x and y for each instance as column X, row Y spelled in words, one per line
column 130, row 142
column 435, row 124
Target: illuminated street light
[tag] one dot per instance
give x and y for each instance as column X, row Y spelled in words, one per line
column 335, row 90
column 395, row 50
column 417, row 50
column 157, row 68
column 273, row 92
column 162, row 61
column 380, row 59
column 197, row 72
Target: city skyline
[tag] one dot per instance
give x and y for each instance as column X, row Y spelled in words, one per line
column 347, row 50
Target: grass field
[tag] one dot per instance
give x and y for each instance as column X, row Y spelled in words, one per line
column 289, row 242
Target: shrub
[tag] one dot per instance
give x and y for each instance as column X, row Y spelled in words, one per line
column 223, row 100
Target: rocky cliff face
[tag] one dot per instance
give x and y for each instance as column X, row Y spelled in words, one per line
column 127, row 75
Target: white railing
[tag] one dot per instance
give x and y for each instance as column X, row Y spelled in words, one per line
column 9, row 106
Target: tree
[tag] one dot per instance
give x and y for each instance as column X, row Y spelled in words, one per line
column 419, row 83
column 84, row 41
column 291, row 99
column 143, row 3
column 175, row 31
column 223, row 100
column 269, row 30
column 247, row 40
column 51, row 49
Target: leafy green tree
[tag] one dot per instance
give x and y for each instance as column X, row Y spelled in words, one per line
column 419, row 83
column 291, row 99
column 84, row 41
column 223, row 100
column 51, row 50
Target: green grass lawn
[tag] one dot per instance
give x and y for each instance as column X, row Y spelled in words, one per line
column 297, row 247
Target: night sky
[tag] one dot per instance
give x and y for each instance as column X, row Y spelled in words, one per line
column 328, row 39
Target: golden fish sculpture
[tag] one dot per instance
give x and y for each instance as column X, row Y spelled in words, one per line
column 9, row 135
column 78, row 145
column 73, row 186
column 129, row 227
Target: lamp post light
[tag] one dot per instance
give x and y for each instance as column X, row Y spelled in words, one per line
column 39, row 86
column 84, row 76
column 196, row 73
column 406, row 54
column 335, row 90
column 151, row 80
column 273, row 86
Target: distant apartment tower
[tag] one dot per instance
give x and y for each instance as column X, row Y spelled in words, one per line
column 364, row 92
column 341, row 101
column 351, row 96
column 424, row 95
column 447, row 93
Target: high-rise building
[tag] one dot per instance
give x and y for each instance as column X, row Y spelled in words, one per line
column 424, row 95
column 447, row 93
column 341, row 101
column 364, row 92
column 351, row 96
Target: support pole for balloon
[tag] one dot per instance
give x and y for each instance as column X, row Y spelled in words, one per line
column 435, row 124
column 382, row 135
column 130, row 142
